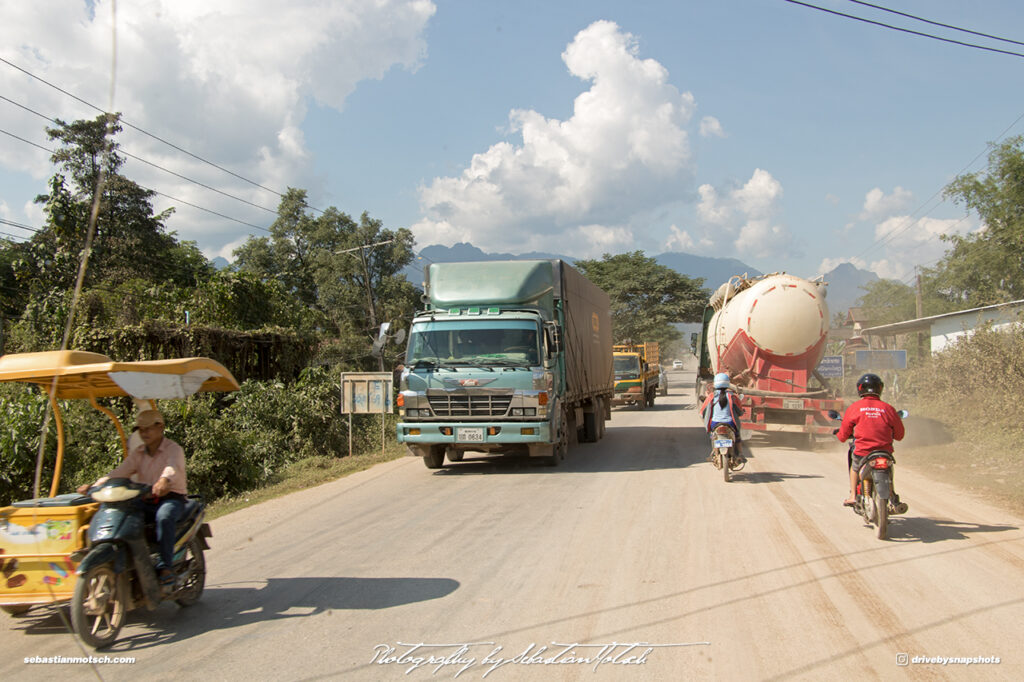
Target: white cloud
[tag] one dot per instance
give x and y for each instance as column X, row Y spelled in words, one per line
column 711, row 127
column 229, row 81
column 878, row 205
column 624, row 149
column 741, row 220
column 907, row 241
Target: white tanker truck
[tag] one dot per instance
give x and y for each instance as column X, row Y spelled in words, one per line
column 768, row 334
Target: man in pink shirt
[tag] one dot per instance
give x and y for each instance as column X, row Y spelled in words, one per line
column 160, row 463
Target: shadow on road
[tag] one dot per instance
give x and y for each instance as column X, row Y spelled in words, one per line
column 927, row 529
column 770, row 476
column 229, row 606
column 624, row 448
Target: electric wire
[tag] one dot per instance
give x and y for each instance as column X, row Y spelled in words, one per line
column 153, row 136
column 158, row 193
column 937, row 23
column 893, row 234
column 905, row 30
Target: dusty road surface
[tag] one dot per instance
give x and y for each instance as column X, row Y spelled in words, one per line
column 634, row 554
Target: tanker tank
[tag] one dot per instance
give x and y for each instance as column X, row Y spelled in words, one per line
column 768, row 334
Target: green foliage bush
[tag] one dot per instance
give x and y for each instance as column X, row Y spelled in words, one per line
column 233, row 442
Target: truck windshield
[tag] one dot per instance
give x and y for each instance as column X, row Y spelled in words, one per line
column 509, row 343
column 627, row 365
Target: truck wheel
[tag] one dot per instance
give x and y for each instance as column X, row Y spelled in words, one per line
column 591, row 428
column 434, row 457
column 650, row 397
column 454, row 455
column 642, row 403
column 559, row 448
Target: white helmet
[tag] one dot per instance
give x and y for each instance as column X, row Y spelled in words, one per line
column 721, row 380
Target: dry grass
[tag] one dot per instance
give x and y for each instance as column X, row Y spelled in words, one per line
column 965, row 427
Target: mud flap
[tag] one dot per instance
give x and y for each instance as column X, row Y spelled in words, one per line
column 883, row 483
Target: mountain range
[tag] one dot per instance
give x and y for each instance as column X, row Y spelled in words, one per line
column 845, row 281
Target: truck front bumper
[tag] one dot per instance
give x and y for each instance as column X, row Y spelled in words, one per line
column 470, row 434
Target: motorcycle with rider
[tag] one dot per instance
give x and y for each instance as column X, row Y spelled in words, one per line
column 873, row 425
column 721, row 412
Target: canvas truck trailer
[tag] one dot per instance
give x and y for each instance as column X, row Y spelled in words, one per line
column 509, row 357
column 768, row 334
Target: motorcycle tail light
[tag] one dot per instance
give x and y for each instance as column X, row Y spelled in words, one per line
column 880, row 463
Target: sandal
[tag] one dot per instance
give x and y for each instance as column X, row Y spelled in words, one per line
column 849, row 503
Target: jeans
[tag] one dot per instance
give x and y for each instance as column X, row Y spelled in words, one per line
column 167, row 513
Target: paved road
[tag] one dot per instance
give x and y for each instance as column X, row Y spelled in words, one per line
column 517, row 570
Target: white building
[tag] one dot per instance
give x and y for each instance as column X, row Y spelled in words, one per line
column 945, row 329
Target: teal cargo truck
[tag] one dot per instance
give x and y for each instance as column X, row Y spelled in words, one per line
column 510, row 357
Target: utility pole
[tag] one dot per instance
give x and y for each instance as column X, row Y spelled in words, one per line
column 919, row 307
column 372, row 307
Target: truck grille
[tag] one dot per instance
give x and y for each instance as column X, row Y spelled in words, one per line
column 466, row 405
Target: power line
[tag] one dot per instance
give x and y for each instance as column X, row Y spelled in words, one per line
column 11, row 223
column 141, row 130
column 892, row 235
column 905, row 30
column 158, row 193
column 145, row 161
column 937, row 23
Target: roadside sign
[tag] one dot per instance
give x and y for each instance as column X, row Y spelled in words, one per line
column 881, row 359
column 831, row 367
column 366, row 392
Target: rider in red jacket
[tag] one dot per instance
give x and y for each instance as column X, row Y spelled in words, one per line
column 874, row 424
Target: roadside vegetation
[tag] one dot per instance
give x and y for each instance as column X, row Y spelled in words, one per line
column 965, row 400
column 297, row 307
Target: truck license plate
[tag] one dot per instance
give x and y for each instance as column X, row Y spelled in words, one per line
column 792, row 404
column 723, row 443
column 469, row 435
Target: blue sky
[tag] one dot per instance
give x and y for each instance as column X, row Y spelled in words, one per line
column 762, row 130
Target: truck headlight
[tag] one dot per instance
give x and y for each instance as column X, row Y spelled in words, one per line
column 417, row 412
column 524, row 411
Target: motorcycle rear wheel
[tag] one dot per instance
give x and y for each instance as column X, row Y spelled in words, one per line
column 195, row 574
column 882, row 516
column 98, row 608
column 725, row 465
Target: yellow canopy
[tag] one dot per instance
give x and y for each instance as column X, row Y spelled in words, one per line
column 91, row 375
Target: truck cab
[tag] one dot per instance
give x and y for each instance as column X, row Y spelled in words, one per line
column 488, row 368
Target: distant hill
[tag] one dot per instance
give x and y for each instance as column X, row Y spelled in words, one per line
column 714, row 271
column 220, row 263
column 844, row 286
column 845, row 281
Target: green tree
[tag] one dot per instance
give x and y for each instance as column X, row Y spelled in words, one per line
column 886, row 301
column 987, row 267
column 647, row 298
column 130, row 239
column 346, row 270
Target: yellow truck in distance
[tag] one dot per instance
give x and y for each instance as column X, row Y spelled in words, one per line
column 636, row 373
